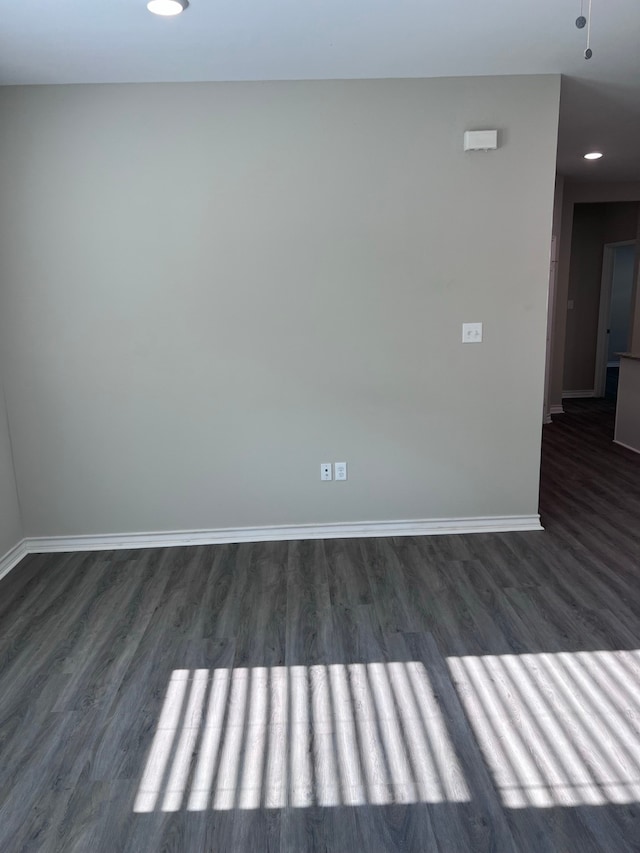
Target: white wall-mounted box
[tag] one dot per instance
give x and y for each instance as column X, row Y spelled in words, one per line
column 480, row 140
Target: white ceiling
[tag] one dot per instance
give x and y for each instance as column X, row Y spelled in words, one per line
column 105, row 41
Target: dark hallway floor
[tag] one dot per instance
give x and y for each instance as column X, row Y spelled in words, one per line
column 470, row 693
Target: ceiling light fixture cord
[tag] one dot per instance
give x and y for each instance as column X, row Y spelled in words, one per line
column 581, row 23
column 588, row 52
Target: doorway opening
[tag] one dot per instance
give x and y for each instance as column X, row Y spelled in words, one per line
column 600, row 296
column 614, row 324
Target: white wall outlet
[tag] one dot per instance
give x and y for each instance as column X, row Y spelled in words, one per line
column 341, row 470
column 326, row 472
column 472, row 333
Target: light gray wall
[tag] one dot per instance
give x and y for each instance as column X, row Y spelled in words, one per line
column 210, row 289
column 10, row 522
column 593, row 226
column 628, row 404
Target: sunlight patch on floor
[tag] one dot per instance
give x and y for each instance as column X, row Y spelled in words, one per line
column 269, row 737
column 556, row 729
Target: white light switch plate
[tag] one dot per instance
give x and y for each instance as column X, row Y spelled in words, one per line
column 472, row 333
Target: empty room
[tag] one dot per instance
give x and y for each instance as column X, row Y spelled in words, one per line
column 319, row 426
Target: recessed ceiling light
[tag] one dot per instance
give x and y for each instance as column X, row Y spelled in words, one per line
column 593, row 155
column 167, row 7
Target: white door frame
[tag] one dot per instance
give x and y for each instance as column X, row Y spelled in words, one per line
column 604, row 317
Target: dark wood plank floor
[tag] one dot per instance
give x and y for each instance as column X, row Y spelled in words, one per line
column 472, row 693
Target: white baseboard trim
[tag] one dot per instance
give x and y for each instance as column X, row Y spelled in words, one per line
column 619, row 443
column 556, row 410
column 578, row 395
column 340, row 530
column 12, row 558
